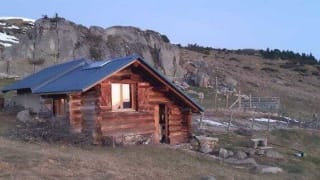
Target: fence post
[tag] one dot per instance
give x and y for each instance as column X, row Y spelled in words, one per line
column 201, row 119
column 229, row 124
column 317, row 121
column 216, row 95
column 227, row 100
column 253, row 119
column 269, row 121
column 239, row 96
column 250, row 101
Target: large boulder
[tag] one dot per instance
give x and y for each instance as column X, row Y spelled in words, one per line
column 223, row 153
column 204, row 144
column 241, row 155
column 268, row 169
column 24, row 116
column 274, row 154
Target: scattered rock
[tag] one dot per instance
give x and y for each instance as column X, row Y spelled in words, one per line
column 274, row 154
column 260, row 152
column 241, row 155
column 24, row 116
column 250, row 151
column 206, row 144
column 230, row 153
column 223, row 153
column 268, row 169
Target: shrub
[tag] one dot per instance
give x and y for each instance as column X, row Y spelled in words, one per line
column 165, row 38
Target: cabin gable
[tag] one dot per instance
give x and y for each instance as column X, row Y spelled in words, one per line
column 93, row 110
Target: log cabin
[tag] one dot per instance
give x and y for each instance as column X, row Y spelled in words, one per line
column 123, row 99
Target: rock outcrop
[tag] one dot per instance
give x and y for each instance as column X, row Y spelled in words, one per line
column 55, row 40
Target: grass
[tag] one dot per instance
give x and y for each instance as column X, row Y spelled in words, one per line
column 41, row 160
column 291, row 142
column 64, row 161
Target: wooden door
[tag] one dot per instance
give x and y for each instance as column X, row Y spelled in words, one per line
column 163, row 124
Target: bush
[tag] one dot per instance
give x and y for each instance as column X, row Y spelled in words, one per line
column 198, row 48
column 165, row 38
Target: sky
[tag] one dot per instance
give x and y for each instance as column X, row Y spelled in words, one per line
column 232, row 24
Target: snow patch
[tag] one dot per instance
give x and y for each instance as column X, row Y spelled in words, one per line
column 2, row 24
column 290, row 119
column 214, row 123
column 24, row 19
column 266, row 120
column 8, row 38
column 5, row 44
column 12, row 27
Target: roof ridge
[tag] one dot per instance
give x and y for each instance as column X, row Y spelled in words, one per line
column 59, row 75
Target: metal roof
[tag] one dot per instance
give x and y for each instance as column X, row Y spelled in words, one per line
column 81, row 74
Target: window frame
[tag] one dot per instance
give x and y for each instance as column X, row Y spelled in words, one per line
column 59, row 107
column 132, row 94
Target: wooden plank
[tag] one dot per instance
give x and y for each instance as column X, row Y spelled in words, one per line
column 115, row 122
column 123, row 131
column 156, row 124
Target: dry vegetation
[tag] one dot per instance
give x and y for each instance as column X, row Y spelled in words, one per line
column 298, row 86
column 43, row 160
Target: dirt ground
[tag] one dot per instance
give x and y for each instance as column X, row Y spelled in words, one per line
column 41, row 160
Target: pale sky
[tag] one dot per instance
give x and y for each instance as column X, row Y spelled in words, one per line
column 233, row 24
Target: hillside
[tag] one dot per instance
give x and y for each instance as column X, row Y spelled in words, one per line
column 48, row 41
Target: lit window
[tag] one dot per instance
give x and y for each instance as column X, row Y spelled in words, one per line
column 59, row 107
column 121, row 96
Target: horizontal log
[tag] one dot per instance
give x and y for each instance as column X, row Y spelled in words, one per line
column 175, row 123
column 74, row 119
column 120, row 132
column 175, row 128
column 75, row 100
column 173, row 116
column 116, row 123
column 123, row 114
column 178, row 133
column 72, row 103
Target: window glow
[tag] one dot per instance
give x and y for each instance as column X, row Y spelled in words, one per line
column 121, row 96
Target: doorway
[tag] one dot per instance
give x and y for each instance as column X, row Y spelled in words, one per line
column 163, row 124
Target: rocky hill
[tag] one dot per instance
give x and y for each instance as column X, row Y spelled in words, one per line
column 55, row 40
column 27, row 46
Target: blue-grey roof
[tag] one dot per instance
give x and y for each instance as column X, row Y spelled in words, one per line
column 79, row 75
column 34, row 80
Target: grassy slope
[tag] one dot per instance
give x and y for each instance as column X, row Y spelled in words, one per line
column 299, row 92
column 290, row 141
column 57, row 161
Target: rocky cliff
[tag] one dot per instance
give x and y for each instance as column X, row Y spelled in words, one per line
column 50, row 41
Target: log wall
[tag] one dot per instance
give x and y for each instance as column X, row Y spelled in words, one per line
column 92, row 111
